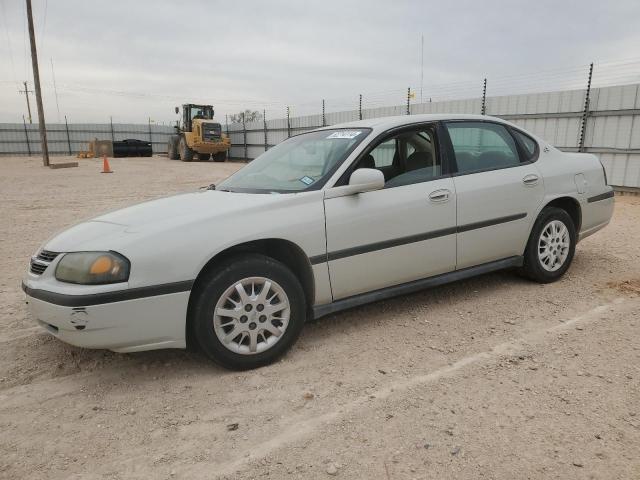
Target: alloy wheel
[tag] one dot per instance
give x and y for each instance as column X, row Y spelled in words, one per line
column 553, row 245
column 251, row 315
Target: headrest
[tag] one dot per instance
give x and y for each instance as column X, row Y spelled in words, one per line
column 419, row 160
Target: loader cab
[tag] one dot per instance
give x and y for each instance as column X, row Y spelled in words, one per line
column 192, row 112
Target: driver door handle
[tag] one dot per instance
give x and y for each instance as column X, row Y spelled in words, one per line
column 530, row 180
column 439, row 196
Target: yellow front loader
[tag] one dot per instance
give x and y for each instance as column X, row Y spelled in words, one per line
column 198, row 135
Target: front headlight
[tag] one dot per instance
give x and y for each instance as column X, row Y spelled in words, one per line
column 93, row 268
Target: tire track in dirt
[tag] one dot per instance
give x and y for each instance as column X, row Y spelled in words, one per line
column 306, row 428
column 300, row 427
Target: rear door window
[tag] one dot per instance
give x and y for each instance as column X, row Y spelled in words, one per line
column 479, row 146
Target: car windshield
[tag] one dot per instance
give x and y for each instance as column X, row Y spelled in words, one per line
column 303, row 162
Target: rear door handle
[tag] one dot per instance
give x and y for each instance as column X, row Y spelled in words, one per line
column 531, row 180
column 439, row 196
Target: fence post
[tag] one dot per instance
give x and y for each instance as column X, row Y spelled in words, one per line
column 288, row 123
column 360, row 107
column 66, row 125
column 264, row 122
column 409, row 101
column 484, row 97
column 244, row 136
column 324, row 120
column 26, row 135
column 226, row 122
column 150, row 136
column 585, row 111
column 113, row 139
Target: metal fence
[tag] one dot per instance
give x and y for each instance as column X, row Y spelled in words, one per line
column 604, row 121
column 70, row 138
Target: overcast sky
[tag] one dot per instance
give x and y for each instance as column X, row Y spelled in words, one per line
column 139, row 58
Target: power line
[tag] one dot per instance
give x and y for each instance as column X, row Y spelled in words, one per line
column 55, row 89
column 44, row 25
column 6, row 31
column 24, row 39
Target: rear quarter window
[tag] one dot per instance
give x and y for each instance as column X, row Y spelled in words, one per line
column 529, row 145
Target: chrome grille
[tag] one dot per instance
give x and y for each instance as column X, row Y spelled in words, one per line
column 47, row 256
column 37, row 268
column 41, row 261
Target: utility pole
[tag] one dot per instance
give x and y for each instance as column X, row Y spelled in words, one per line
column 26, row 92
column 36, row 82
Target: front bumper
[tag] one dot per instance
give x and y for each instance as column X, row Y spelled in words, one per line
column 211, row 147
column 128, row 325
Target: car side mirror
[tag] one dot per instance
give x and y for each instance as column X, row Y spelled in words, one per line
column 361, row 180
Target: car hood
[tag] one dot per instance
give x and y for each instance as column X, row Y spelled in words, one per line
column 111, row 229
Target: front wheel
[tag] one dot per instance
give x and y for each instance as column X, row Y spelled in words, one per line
column 220, row 156
column 248, row 312
column 186, row 154
column 551, row 246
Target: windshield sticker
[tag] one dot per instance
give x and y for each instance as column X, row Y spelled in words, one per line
column 349, row 134
column 306, row 180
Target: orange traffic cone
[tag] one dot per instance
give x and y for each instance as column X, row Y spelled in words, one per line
column 105, row 165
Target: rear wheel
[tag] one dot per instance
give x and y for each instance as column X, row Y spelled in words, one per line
column 204, row 157
column 551, row 246
column 248, row 312
column 220, row 156
column 186, row 154
column 172, row 149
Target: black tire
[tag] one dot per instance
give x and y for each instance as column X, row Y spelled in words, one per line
column 186, row 154
column 214, row 284
column 172, row 149
column 533, row 267
column 220, row 156
column 204, row 157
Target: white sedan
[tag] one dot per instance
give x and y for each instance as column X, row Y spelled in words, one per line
column 327, row 220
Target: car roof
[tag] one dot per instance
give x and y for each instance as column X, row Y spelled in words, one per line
column 400, row 120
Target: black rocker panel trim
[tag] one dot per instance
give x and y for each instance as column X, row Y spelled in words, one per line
column 416, row 285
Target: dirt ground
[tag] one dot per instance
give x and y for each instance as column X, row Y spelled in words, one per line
column 493, row 377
